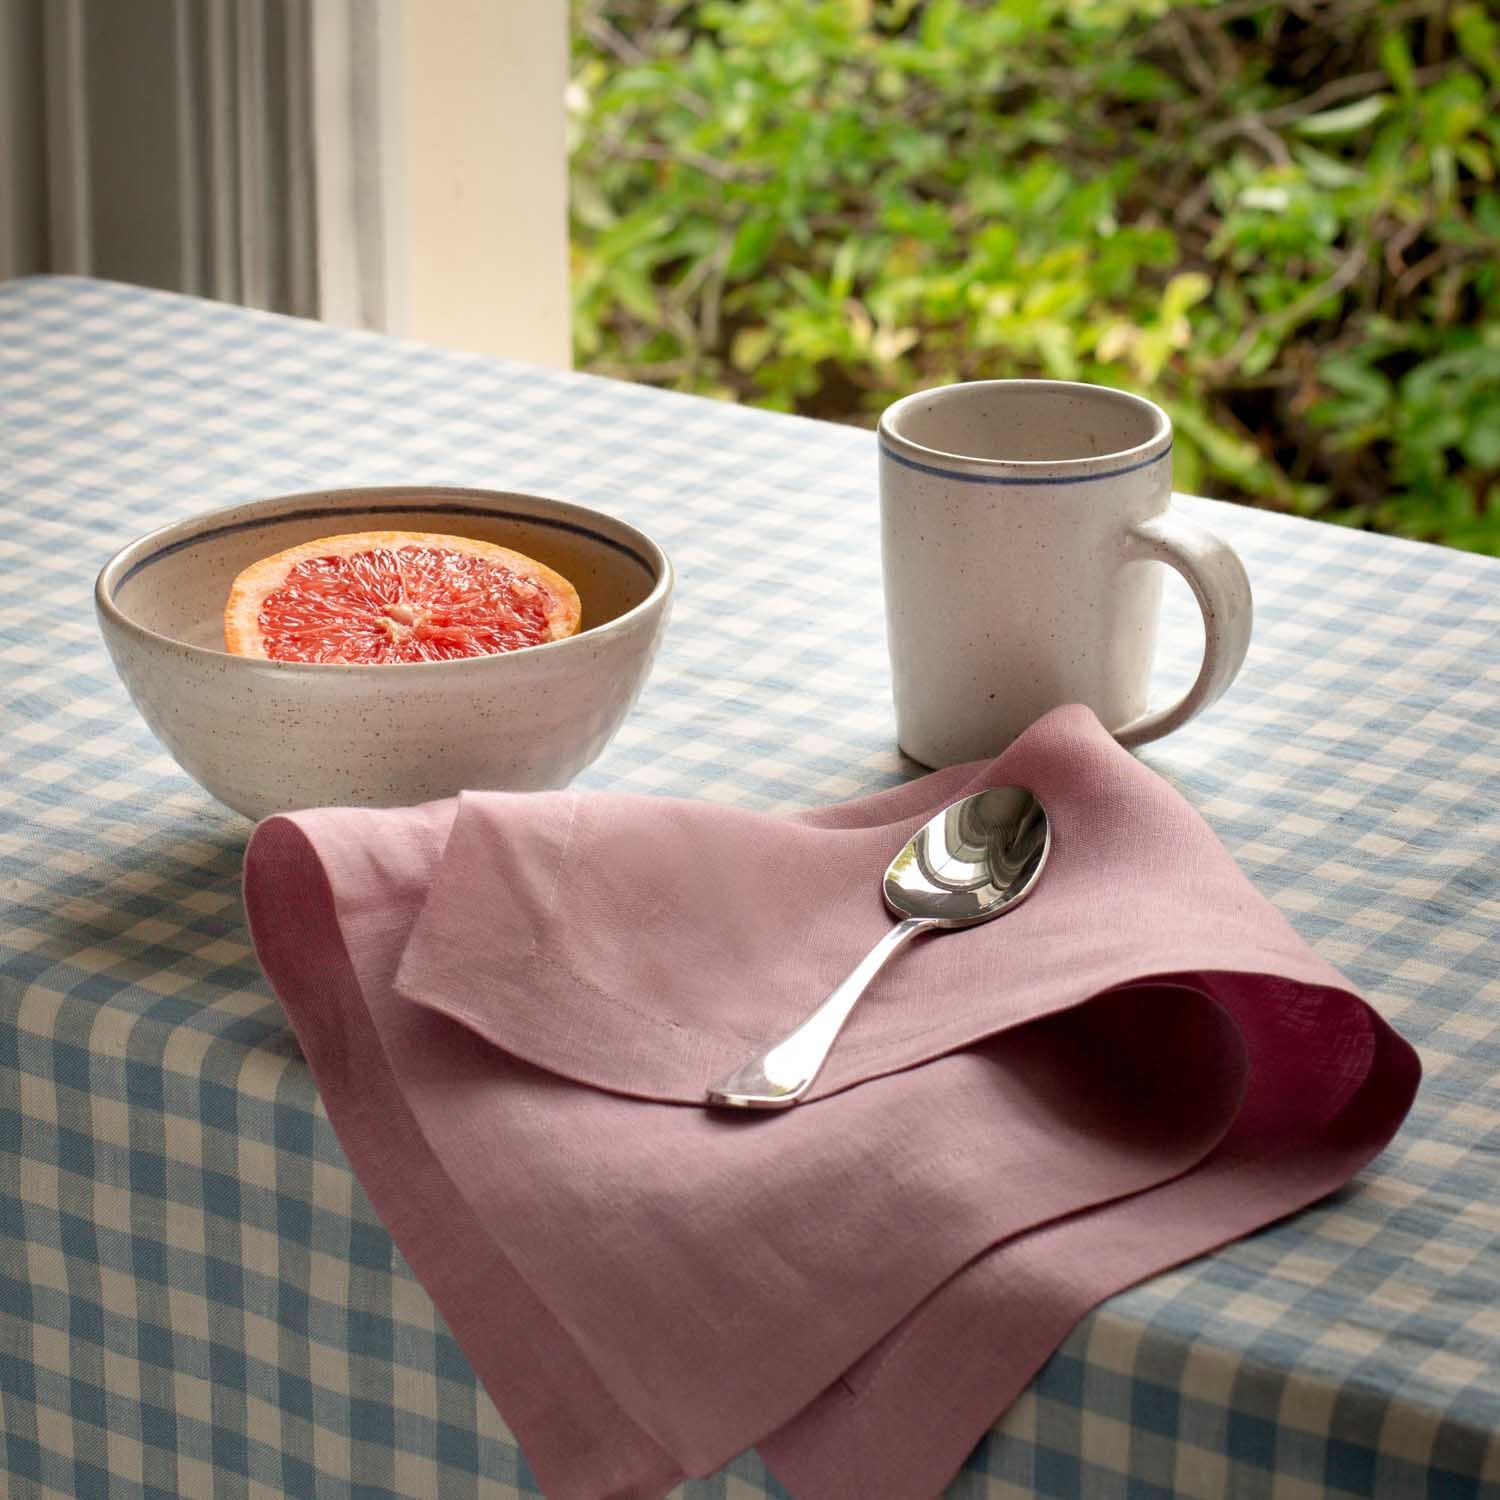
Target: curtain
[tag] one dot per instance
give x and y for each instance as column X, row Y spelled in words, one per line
column 227, row 148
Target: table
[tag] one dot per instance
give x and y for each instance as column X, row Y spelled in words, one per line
column 195, row 1297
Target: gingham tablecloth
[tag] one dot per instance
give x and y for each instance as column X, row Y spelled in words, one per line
column 195, row 1298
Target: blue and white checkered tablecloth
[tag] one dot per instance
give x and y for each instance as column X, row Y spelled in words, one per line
column 195, row 1297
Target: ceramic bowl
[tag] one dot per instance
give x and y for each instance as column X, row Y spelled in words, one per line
column 268, row 736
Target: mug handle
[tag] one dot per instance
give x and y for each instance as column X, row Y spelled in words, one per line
column 1219, row 583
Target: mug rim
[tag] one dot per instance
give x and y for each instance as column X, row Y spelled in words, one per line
column 1038, row 471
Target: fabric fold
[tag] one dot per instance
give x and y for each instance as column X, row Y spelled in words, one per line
column 512, row 1005
column 645, row 944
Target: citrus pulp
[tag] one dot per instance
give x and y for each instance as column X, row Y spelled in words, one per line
column 375, row 597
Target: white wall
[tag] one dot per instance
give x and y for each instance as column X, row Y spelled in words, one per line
column 483, row 176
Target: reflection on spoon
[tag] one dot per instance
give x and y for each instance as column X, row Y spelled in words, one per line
column 971, row 862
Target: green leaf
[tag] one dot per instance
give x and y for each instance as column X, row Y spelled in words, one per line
column 630, row 234
column 1326, row 171
column 1347, row 118
column 590, row 204
column 1261, row 354
column 938, row 18
column 841, row 274
column 1187, row 465
column 1220, row 448
column 1150, row 352
column 1054, row 342
column 1269, row 197
column 634, row 292
column 1396, row 59
column 1142, row 81
column 1351, row 375
column 1444, row 172
column 750, row 346
column 1481, row 445
column 1183, row 291
column 1479, row 38
column 752, row 243
column 812, row 292
column 1477, row 159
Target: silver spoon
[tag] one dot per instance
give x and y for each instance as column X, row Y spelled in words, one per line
column 973, row 861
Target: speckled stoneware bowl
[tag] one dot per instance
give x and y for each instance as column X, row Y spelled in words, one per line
column 267, row 736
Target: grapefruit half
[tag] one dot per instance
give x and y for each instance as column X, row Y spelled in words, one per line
column 375, row 597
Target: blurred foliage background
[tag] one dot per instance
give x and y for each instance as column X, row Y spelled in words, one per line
column 1280, row 221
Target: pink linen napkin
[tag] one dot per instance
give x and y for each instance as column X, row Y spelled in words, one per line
column 512, row 1004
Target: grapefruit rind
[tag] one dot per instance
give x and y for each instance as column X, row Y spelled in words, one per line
column 242, row 633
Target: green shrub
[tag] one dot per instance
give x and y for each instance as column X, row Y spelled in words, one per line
column 1282, row 223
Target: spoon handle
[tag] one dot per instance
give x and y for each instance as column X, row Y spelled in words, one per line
column 783, row 1070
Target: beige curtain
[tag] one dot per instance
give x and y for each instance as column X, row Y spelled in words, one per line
column 227, row 148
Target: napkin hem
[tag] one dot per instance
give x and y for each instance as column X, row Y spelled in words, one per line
column 331, row 1050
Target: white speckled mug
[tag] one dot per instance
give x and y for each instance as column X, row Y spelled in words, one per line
column 1020, row 522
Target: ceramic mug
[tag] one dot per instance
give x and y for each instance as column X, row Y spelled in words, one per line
column 1020, row 524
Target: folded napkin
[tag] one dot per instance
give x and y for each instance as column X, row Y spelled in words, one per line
column 512, row 1004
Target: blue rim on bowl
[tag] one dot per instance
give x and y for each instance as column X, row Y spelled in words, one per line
column 432, row 500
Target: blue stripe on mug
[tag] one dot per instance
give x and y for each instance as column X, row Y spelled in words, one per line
column 967, row 478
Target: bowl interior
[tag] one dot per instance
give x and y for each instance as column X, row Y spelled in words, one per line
column 176, row 583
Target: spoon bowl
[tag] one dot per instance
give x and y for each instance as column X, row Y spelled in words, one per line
column 976, row 859
column 972, row 861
